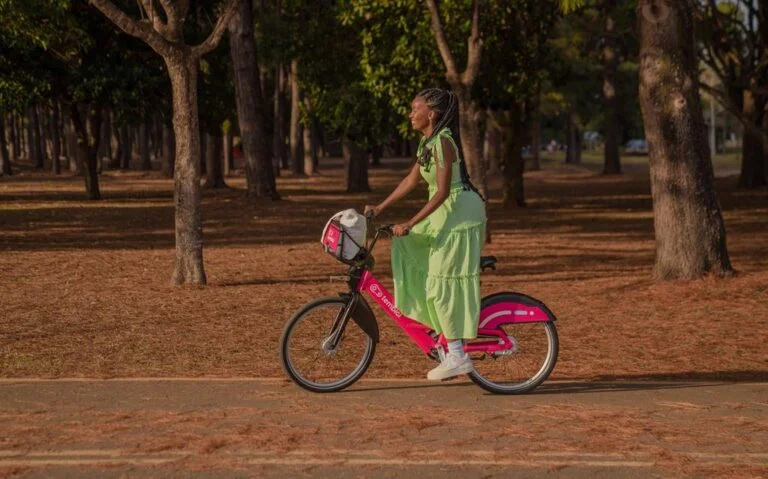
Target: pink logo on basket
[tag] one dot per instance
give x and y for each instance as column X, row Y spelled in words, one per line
column 383, row 299
column 332, row 238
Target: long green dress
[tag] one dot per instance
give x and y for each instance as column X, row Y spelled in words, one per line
column 436, row 267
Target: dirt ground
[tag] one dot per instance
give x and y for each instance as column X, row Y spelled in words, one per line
column 85, row 286
column 381, row 429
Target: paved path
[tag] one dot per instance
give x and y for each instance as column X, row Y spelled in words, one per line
column 270, row 428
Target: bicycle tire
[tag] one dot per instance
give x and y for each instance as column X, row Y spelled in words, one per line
column 292, row 371
column 550, row 359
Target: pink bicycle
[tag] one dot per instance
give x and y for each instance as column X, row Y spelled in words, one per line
column 323, row 351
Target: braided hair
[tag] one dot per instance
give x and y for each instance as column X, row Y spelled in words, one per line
column 446, row 107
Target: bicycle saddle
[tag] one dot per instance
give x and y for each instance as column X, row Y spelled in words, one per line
column 487, row 262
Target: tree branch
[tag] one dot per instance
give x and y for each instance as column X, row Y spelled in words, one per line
column 183, row 8
column 170, row 9
column 736, row 111
column 218, row 31
column 474, row 48
column 442, row 43
column 157, row 22
column 130, row 26
column 175, row 20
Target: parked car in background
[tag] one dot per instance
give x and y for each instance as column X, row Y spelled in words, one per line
column 636, row 147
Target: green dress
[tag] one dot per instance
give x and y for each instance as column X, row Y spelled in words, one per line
column 436, row 267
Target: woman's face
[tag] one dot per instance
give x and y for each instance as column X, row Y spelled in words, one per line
column 421, row 115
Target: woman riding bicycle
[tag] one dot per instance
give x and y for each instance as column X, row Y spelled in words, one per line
column 436, row 254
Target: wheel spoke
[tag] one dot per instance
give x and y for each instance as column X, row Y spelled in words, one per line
column 535, row 355
column 309, row 364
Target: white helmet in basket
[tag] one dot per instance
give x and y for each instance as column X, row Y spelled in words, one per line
column 344, row 234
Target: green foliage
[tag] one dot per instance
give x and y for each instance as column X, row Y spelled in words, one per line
column 576, row 65
column 331, row 75
column 400, row 55
column 33, row 35
column 37, row 23
column 568, row 6
column 516, row 53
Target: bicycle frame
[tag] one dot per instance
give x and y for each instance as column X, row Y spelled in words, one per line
column 492, row 338
column 491, row 318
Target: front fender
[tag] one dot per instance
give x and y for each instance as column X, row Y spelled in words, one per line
column 364, row 317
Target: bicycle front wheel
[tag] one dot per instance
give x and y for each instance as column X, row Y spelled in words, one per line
column 308, row 355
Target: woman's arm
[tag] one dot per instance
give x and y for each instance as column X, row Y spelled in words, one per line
column 406, row 185
column 443, row 188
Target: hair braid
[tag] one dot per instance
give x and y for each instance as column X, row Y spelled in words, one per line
column 446, row 107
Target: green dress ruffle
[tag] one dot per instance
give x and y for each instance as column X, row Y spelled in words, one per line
column 436, row 267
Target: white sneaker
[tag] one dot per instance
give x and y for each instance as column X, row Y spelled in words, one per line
column 451, row 366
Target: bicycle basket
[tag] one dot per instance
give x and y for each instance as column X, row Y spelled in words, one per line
column 344, row 235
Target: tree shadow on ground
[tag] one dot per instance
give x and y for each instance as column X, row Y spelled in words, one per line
column 619, row 383
column 46, row 213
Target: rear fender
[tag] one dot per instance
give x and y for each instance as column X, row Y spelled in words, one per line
column 364, row 317
column 508, row 307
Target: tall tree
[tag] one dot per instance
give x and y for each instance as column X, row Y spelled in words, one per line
column 690, row 232
column 461, row 84
column 5, row 159
column 733, row 40
column 166, row 38
column 598, row 39
column 296, row 133
column 688, row 221
column 509, row 83
column 333, row 83
column 251, row 105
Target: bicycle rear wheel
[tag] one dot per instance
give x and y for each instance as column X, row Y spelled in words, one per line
column 307, row 355
column 529, row 363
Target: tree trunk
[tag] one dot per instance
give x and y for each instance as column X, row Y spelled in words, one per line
column 33, row 138
column 310, row 146
column 42, row 125
column 126, row 147
column 573, row 144
column 13, row 137
column 357, row 166
column 87, row 123
column 689, row 227
column 74, row 159
column 169, row 150
column 5, row 158
column 115, row 155
column 535, row 163
column 753, row 174
column 250, row 106
column 514, row 193
column 471, row 139
column 278, row 133
column 157, row 136
column 227, row 145
column 203, row 153
column 108, row 134
column 146, row 162
column 55, row 139
column 377, row 152
column 297, row 156
column 186, row 192
column 612, row 161
column 493, row 139
column 215, row 177
column 21, row 136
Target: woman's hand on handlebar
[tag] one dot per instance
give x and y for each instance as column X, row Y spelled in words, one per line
column 401, row 230
column 371, row 211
